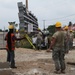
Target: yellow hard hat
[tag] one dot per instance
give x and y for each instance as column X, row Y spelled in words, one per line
column 71, row 30
column 11, row 27
column 38, row 28
column 66, row 28
column 58, row 24
column 16, row 30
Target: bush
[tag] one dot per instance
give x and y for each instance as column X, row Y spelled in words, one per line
column 25, row 44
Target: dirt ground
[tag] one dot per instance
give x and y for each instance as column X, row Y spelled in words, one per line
column 31, row 62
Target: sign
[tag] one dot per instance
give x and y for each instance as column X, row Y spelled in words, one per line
column 30, row 28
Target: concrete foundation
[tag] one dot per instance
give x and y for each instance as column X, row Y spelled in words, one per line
column 4, row 65
column 4, row 69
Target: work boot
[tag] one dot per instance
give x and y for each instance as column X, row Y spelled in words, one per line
column 63, row 71
column 57, row 72
column 13, row 67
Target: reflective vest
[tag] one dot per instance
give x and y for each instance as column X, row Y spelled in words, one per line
column 13, row 38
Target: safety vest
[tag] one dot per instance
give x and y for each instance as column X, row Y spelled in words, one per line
column 12, row 41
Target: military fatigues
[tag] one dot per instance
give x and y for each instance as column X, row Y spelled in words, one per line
column 58, row 52
column 39, row 40
column 66, row 41
column 17, row 42
column 71, row 40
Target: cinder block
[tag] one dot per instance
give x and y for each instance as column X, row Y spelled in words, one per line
column 4, row 65
column 5, row 72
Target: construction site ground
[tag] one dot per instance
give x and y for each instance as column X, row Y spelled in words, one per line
column 37, row 62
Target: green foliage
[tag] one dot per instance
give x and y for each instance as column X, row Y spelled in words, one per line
column 0, row 30
column 74, row 34
column 51, row 29
column 25, row 44
column 6, row 30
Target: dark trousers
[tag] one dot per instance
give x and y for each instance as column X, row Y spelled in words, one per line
column 10, row 57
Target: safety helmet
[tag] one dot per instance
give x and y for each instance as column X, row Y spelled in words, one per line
column 38, row 28
column 66, row 28
column 16, row 30
column 40, row 33
column 11, row 27
column 71, row 30
column 58, row 24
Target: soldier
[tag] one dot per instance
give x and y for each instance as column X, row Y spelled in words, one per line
column 57, row 46
column 39, row 40
column 71, row 39
column 17, row 34
column 66, row 42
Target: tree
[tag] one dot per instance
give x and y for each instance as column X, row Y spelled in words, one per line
column 51, row 29
column 70, row 24
column 0, row 30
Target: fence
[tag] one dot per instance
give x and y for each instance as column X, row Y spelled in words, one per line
column 2, row 41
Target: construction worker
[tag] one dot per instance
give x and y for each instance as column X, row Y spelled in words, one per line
column 10, row 47
column 34, row 38
column 66, row 42
column 57, row 47
column 17, row 34
column 39, row 39
column 71, row 39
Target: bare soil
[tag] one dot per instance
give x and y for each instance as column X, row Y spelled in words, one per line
column 37, row 62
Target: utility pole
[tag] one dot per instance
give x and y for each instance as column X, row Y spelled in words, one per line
column 44, row 24
column 27, row 4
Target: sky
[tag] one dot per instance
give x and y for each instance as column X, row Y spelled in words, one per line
column 48, row 12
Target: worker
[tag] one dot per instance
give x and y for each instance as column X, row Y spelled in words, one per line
column 10, row 47
column 39, row 41
column 66, row 42
column 34, row 38
column 57, row 47
column 46, row 41
column 71, row 39
column 17, row 34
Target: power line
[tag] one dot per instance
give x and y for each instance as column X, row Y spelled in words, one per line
column 61, row 17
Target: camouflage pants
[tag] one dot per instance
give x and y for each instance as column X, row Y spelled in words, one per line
column 38, row 44
column 58, row 57
column 70, row 44
column 66, row 47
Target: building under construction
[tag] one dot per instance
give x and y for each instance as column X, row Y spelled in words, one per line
column 27, row 20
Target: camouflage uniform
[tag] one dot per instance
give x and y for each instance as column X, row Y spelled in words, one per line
column 58, row 52
column 39, row 40
column 71, row 40
column 66, row 41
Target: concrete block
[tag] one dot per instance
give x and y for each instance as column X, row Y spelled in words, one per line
column 4, row 65
column 6, row 72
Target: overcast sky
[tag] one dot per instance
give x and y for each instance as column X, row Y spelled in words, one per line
column 49, row 10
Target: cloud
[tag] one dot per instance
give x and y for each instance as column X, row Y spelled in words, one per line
column 48, row 10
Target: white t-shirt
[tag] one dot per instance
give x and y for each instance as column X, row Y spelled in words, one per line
column 34, row 40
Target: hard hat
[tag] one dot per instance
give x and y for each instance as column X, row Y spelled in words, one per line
column 58, row 24
column 66, row 28
column 40, row 33
column 71, row 30
column 11, row 27
column 38, row 28
column 16, row 30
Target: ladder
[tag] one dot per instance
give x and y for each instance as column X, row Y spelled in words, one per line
column 30, row 41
